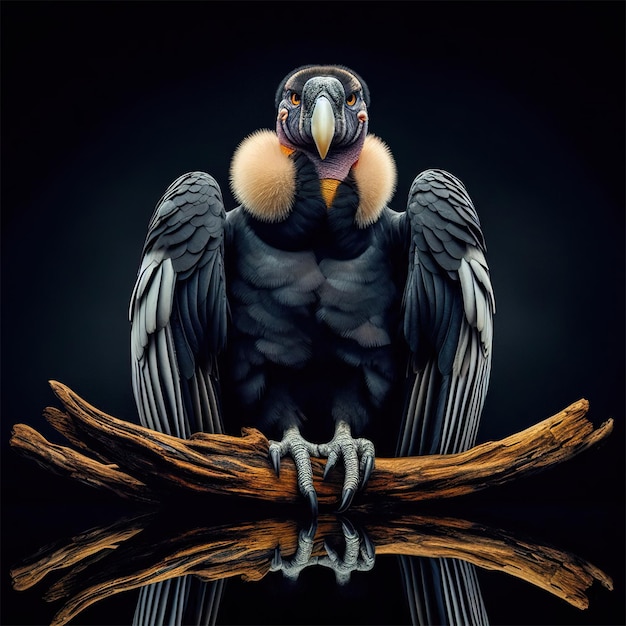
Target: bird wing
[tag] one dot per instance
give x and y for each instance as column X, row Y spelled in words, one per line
column 178, row 310
column 177, row 601
column 442, row 591
column 448, row 318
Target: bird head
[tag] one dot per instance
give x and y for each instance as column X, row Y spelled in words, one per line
column 322, row 111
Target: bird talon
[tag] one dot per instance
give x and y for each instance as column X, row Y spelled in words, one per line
column 358, row 459
column 275, row 458
column 311, row 496
column 370, row 551
column 358, row 553
column 277, row 560
column 333, row 555
column 347, row 527
column 367, row 470
column 300, row 450
column 303, row 557
column 330, row 464
column 312, row 529
column 346, row 500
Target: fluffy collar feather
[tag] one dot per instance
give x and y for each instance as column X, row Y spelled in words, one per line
column 263, row 178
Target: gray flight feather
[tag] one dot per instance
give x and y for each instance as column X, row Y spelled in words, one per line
column 448, row 318
column 178, row 310
column 443, row 591
column 178, row 601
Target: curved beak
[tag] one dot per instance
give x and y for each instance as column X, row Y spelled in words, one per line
column 323, row 125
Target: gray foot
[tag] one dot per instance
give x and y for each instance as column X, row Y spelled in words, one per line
column 302, row 559
column 358, row 459
column 300, row 450
column 359, row 554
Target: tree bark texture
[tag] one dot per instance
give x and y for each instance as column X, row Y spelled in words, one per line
column 141, row 464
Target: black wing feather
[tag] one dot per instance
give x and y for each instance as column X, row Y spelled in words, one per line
column 448, row 311
column 178, row 310
column 178, row 601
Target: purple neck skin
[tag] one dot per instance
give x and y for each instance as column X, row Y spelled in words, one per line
column 337, row 164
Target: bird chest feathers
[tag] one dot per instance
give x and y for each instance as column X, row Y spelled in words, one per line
column 286, row 301
column 304, row 318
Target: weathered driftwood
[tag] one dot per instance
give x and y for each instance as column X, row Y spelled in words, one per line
column 142, row 464
column 135, row 552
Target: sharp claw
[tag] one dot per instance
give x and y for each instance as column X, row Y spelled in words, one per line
column 367, row 470
column 329, row 465
column 346, row 500
column 275, row 458
column 311, row 496
column 312, row 529
column 332, row 554
column 277, row 559
column 347, row 527
column 369, row 546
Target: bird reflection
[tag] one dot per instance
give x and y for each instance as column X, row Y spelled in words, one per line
column 184, row 600
column 181, row 567
column 442, row 591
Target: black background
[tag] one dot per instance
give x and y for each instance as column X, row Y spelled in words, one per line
column 104, row 104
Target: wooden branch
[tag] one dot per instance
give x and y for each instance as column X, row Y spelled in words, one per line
column 135, row 552
column 140, row 463
column 67, row 462
column 81, row 548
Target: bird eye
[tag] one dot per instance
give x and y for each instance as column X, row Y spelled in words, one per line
column 295, row 98
column 351, row 99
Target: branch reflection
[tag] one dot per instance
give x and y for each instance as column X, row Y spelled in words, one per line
column 151, row 549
